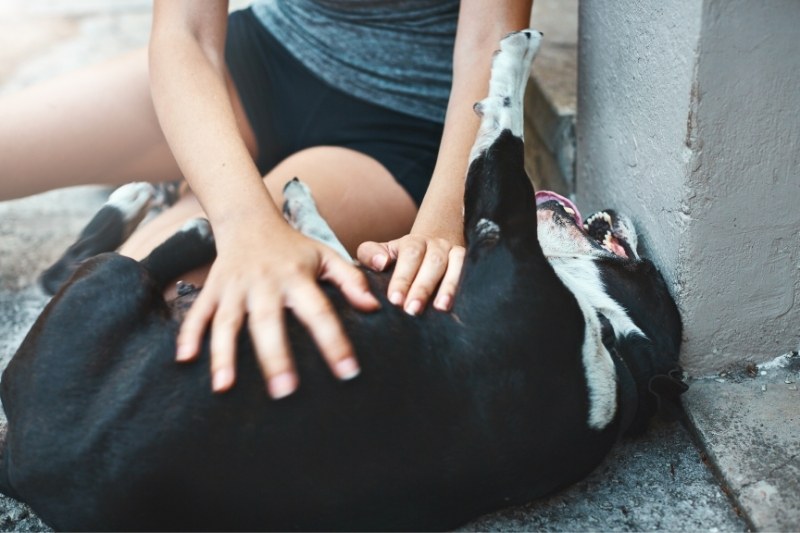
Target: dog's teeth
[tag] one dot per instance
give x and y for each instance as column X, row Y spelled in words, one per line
column 606, row 217
column 569, row 210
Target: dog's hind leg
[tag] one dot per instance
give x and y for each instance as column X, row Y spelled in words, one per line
column 498, row 190
column 190, row 247
column 108, row 229
column 300, row 210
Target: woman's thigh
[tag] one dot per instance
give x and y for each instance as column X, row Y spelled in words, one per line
column 356, row 195
column 93, row 125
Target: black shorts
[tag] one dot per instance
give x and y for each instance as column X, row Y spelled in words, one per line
column 290, row 109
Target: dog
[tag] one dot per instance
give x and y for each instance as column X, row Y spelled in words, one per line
column 561, row 339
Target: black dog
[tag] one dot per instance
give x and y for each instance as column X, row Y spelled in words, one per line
column 556, row 346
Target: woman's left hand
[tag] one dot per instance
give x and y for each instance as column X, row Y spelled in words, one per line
column 423, row 263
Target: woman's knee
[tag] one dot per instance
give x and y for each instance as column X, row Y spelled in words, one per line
column 357, row 195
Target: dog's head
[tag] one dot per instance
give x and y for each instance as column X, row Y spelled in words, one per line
column 640, row 324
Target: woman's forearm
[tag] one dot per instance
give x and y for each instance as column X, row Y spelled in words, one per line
column 194, row 109
column 481, row 26
column 428, row 261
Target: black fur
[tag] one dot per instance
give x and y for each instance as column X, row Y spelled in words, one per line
column 104, row 233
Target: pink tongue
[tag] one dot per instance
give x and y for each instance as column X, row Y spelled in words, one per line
column 617, row 248
column 546, row 196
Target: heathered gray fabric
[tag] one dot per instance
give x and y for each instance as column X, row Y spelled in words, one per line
column 395, row 53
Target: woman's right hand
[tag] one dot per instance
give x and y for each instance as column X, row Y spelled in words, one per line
column 259, row 276
column 263, row 266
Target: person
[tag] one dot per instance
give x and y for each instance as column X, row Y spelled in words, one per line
column 369, row 102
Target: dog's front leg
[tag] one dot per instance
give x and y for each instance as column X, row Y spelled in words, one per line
column 189, row 248
column 498, row 197
column 108, row 229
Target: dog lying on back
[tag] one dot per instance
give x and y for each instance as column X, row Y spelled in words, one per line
column 561, row 339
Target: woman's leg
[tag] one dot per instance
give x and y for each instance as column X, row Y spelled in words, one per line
column 94, row 125
column 356, row 195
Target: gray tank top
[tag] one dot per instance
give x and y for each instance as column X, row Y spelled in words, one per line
column 395, row 53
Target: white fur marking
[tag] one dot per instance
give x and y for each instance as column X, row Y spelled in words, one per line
column 200, row 225
column 301, row 213
column 582, row 278
column 132, row 200
column 502, row 109
column 487, row 229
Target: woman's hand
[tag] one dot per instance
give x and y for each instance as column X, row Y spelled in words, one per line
column 258, row 277
column 432, row 254
column 423, row 264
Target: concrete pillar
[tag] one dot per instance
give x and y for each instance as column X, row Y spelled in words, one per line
column 689, row 120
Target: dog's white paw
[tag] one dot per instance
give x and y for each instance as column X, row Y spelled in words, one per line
column 502, row 109
column 133, row 199
column 521, row 42
column 201, row 226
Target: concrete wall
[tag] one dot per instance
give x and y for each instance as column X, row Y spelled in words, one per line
column 689, row 120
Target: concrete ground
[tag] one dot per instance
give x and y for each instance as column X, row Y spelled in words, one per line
column 732, row 465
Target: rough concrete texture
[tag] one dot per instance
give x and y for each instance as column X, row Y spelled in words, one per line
column 659, row 483
column 749, row 421
column 745, row 141
column 688, row 116
column 635, row 66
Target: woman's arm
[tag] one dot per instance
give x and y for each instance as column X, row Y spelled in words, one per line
column 263, row 265
column 433, row 253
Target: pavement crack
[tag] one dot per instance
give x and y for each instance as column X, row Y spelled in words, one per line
column 771, row 472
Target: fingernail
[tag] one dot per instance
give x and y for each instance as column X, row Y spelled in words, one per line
column 379, row 261
column 347, row 369
column 442, row 303
column 223, row 379
column 282, row 385
column 396, row 298
column 184, row 352
column 414, row 307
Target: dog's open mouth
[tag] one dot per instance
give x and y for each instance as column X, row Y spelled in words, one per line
column 604, row 228
column 570, row 208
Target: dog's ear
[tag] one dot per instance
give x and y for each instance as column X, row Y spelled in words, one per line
column 658, row 380
column 667, row 389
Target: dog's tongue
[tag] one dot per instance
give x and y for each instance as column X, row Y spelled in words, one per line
column 546, row 196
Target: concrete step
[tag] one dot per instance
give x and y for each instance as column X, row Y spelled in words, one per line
column 551, row 97
column 748, row 421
